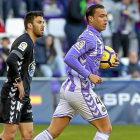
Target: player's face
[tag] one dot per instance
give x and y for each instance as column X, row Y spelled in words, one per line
column 99, row 20
column 38, row 26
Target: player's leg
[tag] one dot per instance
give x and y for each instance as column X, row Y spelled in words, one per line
column 61, row 118
column 26, row 120
column 54, row 130
column 26, row 130
column 100, row 120
column 9, row 116
column 57, row 126
column 9, row 131
column 91, row 108
column 104, row 128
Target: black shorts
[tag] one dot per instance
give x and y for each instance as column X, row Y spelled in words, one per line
column 13, row 110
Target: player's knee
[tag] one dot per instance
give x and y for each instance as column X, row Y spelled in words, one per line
column 55, row 135
column 107, row 129
column 28, row 135
column 12, row 136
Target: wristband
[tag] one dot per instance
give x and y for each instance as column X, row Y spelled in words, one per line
column 18, row 80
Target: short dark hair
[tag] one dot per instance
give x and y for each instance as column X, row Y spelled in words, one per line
column 91, row 10
column 29, row 17
column 5, row 38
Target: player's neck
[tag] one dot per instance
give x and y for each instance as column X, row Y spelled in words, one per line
column 32, row 36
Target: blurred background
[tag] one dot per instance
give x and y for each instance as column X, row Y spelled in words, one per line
column 64, row 22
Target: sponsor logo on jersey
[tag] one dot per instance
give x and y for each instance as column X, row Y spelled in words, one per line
column 29, row 111
column 80, row 44
column 22, row 46
column 31, row 69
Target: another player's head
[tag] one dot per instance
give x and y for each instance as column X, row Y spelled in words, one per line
column 96, row 16
column 33, row 21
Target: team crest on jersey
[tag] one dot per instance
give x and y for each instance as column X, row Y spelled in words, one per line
column 22, row 46
column 103, row 109
column 31, row 69
column 80, row 44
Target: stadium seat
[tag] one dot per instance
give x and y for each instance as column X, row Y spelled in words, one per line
column 14, row 26
column 56, row 27
column 124, row 61
column 58, row 46
column 45, row 28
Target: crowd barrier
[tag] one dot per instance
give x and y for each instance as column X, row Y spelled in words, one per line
column 120, row 96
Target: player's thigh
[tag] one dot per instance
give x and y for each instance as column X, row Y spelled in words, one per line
column 9, row 129
column 64, row 109
column 26, row 129
column 87, row 104
column 58, row 125
column 103, row 125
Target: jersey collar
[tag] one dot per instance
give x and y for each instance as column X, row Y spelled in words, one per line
column 93, row 30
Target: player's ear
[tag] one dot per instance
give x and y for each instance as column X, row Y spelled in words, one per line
column 90, row 18
column 30, row 26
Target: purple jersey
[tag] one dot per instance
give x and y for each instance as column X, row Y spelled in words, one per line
column 82, row 59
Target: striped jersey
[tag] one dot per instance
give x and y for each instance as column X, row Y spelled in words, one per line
column 82, row 59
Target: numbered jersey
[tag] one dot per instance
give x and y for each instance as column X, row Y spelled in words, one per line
column 88, row 105
column 90, row 49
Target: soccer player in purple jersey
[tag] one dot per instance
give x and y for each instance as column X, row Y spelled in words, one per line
column 76, row 94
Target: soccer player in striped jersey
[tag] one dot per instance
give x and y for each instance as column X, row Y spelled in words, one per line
column 76, row 94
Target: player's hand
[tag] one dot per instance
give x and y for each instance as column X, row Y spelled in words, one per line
column 116, row 63
column 95, row 79
column 20, row 88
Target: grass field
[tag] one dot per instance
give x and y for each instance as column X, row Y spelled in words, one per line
column 87, row 132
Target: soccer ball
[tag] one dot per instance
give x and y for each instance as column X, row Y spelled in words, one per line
column 108, row 58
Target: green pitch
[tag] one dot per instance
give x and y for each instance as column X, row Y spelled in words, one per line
column 87, row 132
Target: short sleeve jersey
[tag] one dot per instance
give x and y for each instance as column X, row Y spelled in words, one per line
column 90, row 48
column 23, row 47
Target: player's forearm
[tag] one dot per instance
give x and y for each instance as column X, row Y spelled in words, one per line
column 71, row 60
column 12, row 64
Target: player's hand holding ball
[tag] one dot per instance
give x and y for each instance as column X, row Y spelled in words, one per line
column 116, row 63
column 109, row 58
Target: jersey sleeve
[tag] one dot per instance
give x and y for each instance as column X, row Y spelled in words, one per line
column 21, row 48
column 83, row 45
column 71, row 59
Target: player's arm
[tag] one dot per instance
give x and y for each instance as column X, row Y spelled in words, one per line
column 17, row 53
column 71, row 59
column 12, row 64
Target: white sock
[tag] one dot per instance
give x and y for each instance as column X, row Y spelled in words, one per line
column 101, row 136
column 45, row 135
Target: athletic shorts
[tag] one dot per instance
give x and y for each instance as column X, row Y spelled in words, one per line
column 13, row 110
column 88, row 105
